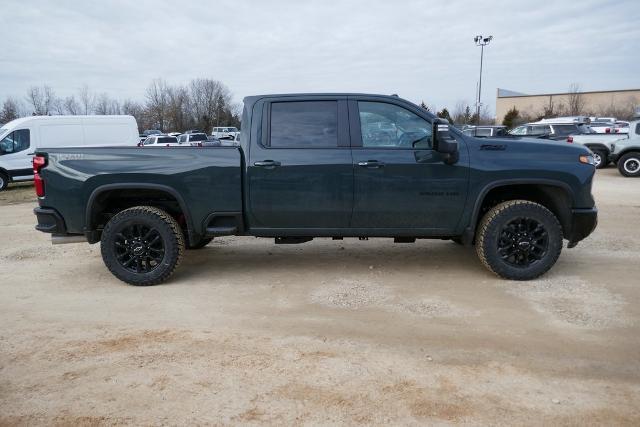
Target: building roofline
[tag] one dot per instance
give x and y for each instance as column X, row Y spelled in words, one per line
column 567, row 93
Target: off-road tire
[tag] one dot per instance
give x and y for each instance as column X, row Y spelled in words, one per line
column 492, row 225
column 4, row 181
column 146, row 216
column 199, row 245
column 625, row 161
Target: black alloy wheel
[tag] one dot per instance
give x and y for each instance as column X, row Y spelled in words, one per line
column 142, row 245
column 139, row 248
column 523, row 242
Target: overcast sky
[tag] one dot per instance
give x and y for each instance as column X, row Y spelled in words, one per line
column 419, row 49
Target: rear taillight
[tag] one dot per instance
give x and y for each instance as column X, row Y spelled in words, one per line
column 570, row 140
column 38, row 163
column 607, row 130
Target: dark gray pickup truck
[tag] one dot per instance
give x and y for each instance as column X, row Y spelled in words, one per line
column 329, row 165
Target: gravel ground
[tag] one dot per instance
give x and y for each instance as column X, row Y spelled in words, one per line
column 326, row 332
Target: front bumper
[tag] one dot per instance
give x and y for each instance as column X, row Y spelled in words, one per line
column 49, row 221
column 583, row 222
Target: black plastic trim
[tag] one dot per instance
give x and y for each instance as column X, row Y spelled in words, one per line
column 49, row 221
column 142, row 186
column 583, row 222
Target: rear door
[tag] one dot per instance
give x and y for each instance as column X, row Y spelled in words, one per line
column 300, row 172
column 400, row 181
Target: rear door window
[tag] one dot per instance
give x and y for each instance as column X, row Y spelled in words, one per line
column 304, row 124
column 565, row 130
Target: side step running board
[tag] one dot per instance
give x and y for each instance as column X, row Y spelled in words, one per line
column 221, row 231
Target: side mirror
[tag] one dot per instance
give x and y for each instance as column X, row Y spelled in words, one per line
column 443, row 142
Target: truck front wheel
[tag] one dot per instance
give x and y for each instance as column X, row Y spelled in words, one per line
column 142, row 245
column 519, row 240
column 629, row 164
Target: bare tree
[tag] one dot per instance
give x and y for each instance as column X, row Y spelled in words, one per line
column 35, row 97
column 58, row 106
column 179, row 111
column 462, row 113
column 211, row 102
column 158, row 103
column 87, row 99
column 71, row 106
column 10, row 110
column 132, row 108
column 575, row 102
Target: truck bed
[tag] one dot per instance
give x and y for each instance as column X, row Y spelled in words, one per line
column 207, row 180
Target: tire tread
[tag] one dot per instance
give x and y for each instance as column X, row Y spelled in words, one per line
column 490, row 216
column 175, row 229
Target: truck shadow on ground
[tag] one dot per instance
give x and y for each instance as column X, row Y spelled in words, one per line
column 218, row 260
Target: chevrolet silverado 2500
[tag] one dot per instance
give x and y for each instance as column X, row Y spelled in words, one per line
column 322, row 165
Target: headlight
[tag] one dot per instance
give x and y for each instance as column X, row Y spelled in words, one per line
column 587, row 159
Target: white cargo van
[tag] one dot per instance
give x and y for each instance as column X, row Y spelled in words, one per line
column 20, row 138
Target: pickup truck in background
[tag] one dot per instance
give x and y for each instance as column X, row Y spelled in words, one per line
column 626, row 152
column 322, row 165
column 600, row 144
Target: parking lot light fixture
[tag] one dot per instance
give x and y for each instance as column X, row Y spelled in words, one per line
column 482, row 42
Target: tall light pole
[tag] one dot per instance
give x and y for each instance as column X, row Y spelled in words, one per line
column 482, row 42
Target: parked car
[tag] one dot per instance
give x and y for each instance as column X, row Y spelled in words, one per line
column 626, row 152
column 148, row 133
column 160, row 141
column 574, row 131
column 191, row 138
column 20, row 138
column 621, row 127
column 599, row 144
column 603, row 124
column 316, row 174
column 224, row 132
column 486, row 131
column 554, row 131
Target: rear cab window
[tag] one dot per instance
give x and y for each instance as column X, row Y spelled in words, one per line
column 303, row 124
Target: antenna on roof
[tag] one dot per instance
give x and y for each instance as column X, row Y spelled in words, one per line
column 395, row 94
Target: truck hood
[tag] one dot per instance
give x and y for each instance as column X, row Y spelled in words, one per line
column 530, row 146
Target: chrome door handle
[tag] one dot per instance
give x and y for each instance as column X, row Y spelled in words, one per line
column 371, row 164
column 267, row 164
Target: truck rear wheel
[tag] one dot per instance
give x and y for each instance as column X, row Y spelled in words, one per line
column 600, row 158
column 4, row 181
column 629, row 164
column 519, row 240
column 142, row 245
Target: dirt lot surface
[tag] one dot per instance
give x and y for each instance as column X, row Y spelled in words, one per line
column 323, row 333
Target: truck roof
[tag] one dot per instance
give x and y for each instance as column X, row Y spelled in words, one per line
column 281, row 95
column 28, row 119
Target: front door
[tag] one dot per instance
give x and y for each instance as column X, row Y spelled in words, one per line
column 15, row 154
column 300, row 172
column 400, row 181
